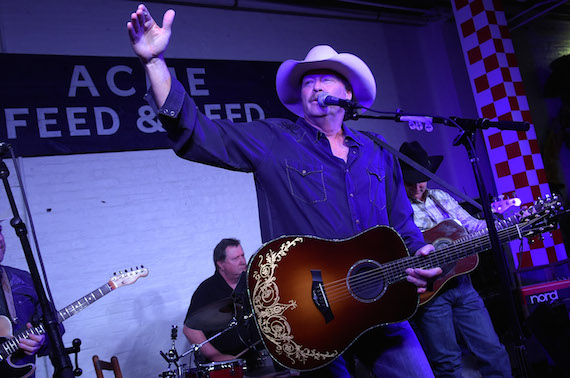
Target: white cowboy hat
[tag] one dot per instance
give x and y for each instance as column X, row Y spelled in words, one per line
column 290, row 73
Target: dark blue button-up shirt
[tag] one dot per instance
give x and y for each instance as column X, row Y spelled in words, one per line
column 302, row 188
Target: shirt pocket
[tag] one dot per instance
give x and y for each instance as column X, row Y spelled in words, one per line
column 377, row 178
column 306, row 181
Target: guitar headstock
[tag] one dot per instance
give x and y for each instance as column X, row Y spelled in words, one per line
column 499, row 207
column 541, row 216
column 127, row 277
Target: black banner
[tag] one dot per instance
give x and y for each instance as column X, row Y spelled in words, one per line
column 56, row 105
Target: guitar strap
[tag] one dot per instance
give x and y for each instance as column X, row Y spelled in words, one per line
column 440, row 206
column 7, row 289
column 420, row 168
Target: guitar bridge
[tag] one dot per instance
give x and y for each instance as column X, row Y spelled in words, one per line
column 319, row 296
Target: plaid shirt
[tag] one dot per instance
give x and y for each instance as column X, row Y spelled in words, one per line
column 427, row 214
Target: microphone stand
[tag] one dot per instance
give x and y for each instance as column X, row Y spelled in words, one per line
column 465, row 138
column 60, row 359
column 467, row 129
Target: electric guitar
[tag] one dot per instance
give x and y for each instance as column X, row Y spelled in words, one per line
column 9, row 344
column 312, row 298
column 449, row 231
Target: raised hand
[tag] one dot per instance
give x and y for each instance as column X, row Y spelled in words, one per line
column 149, row 40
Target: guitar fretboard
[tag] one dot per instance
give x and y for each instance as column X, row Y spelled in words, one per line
column 10, row 346
column 470, row 245
column 80, row 304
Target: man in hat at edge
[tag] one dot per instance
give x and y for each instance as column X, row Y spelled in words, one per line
column 457, row 307
column 313, row 177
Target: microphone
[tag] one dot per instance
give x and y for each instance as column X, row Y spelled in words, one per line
column 484, row 123
column 4, row 147
column 326, row 99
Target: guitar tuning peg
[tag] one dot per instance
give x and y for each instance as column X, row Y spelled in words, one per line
column 114, row 273
column 501, row 196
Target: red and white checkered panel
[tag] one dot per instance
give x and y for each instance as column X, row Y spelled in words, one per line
column 500, row 95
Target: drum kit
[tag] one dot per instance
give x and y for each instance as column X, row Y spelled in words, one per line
column 227, row 314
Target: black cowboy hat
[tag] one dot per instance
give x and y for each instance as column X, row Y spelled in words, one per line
column 416, row 152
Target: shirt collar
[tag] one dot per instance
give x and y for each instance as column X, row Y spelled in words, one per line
column 315, row 134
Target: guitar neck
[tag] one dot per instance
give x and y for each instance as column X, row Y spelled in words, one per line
column 469, row 245
column 84, row 302
column 10, row 346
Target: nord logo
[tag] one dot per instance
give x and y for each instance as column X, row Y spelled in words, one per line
column 543, row 297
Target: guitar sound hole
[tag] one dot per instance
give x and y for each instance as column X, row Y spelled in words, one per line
column 365, row 281
column 442, row 243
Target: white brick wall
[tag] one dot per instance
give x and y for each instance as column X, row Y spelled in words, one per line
column 99, row 213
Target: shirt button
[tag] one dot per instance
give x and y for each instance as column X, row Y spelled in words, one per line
column 354, row 152
column 358, row 221
column 172, row 112
column 304, row 172
column 346, row 170
column 351, row 194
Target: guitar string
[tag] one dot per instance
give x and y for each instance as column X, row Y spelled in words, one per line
column 475, row 237
column 337, row 290
column 371, row 276
column 479, row 238
column 482, row 247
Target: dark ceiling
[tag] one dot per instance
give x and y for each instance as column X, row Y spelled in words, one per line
column 414, row 12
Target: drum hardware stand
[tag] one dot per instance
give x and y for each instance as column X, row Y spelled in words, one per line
column 172, row 357
column 196, row 347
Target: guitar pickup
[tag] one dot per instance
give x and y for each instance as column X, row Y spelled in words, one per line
column 319, row 296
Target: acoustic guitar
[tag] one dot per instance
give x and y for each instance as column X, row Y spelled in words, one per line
column 312, row 298
column 9, row 343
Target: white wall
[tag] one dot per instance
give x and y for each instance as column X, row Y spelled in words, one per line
column 96, row 214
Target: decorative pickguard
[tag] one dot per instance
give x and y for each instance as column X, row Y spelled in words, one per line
column 271, row 318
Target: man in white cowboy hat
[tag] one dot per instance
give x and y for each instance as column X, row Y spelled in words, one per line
column 457, row 308
column 313, row 177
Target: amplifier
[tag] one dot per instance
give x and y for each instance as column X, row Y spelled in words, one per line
column 547, row 292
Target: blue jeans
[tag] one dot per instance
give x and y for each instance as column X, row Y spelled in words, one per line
column 389, row 351
column 460, row 309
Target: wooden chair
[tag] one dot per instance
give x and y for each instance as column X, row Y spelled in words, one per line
column 103, row 365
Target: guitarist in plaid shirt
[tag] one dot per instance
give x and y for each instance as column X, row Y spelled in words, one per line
column 457, row 310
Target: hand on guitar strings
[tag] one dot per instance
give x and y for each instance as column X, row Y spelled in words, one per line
column 33, row 344
column 420, row 277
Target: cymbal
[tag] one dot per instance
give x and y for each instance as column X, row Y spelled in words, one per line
column 213, row 316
